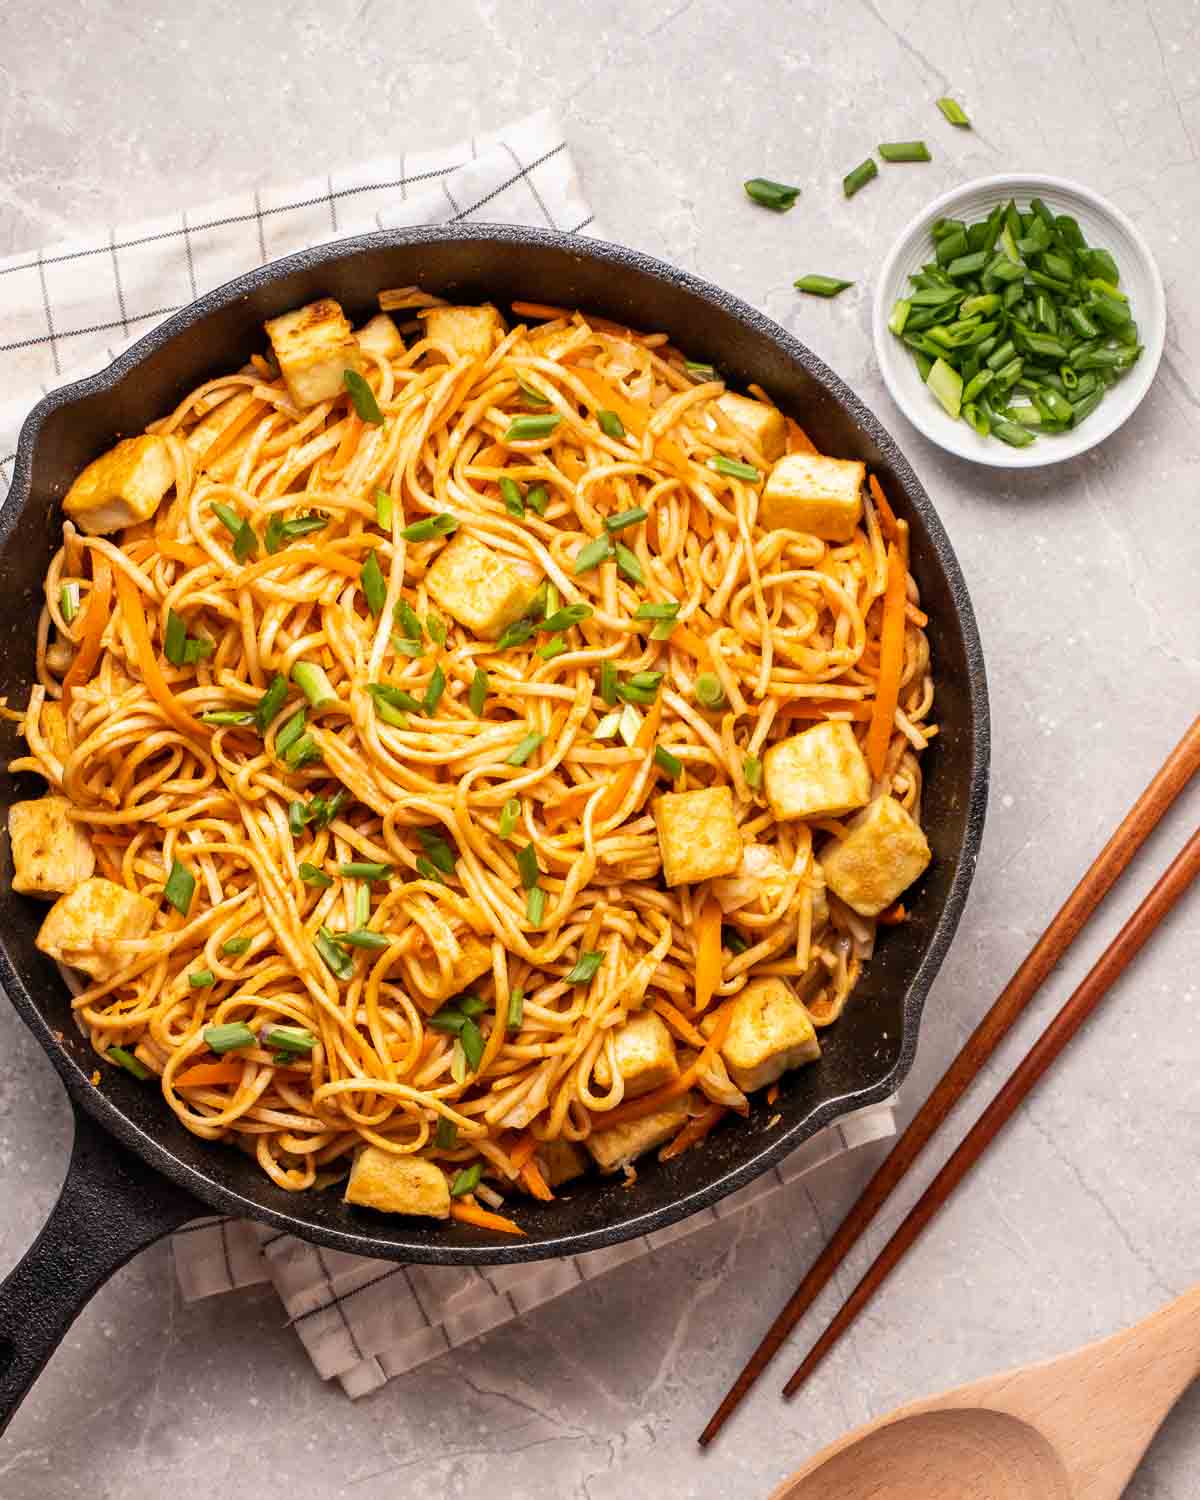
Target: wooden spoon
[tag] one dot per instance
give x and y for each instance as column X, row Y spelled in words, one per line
column 1072, row 1428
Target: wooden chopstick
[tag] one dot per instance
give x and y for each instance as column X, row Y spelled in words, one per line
column 1174, row 774
column 1112, row 963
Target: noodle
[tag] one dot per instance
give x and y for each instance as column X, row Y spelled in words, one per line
column 515, row 850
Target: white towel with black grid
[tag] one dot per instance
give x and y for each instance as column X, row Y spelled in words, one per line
column 66, row 311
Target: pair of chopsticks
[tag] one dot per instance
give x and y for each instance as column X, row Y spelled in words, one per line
column 1175, row 773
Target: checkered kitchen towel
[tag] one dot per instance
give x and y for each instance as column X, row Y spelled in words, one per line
column 66, row 311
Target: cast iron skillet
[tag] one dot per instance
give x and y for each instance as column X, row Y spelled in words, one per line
column 135, row 1173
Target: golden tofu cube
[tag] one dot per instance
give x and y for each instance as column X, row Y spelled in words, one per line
column 764, row 425
column 473, row 962
column 482, row 589
column 882, row 854
column 645, row 1055
column 697, row 834
column 820, row 772
column 381, row 337
column 81, row 927
column 393, row 1184
column 469, row 331
column 54, row 730
column 314, row 346
column 51, row 851
column 770, row 1032
column 619, row 1144
column 562, row 1161
column 807, row 492
column 122, row 486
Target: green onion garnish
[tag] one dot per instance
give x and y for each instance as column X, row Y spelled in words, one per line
column 526, row 429
column 310, row 875
column 466, row 1181
column 374, row 585
column 245, row 543
column 665, row 610
column 445, row 1134
column 227, row 716
column 821, row 286
column 571, row 614
column 625, row 518
column 202, row 979
column 175, row 639
column 537, row 499
column 629, row 721
column 196, row 649
column 606, row 729
column 436, row 628
column 584, row 968
column 524, row 749
column 477, row 694
column 548, row 650
column 905, row 151
column 734, row 468
column 289, row 734
column 403, row 647
column 434, row 690
column 471, row 1040
column 362, row 905
column 394, row 697
column 362, row 937
column 68, row 601
column 302, row 753
column 235, row 945
column 510, row 493
column 527, row 865
column 359, row 869
column 733, row 940
column 774, row 195
column 954, row 112
column 434, row 843
column 752, row 771
column 698, row 372
column 671, row 764
column 448, row 1018
column 289, row 1039
column 127, row 1060
column 408, row 620
column 279, row 532
column 427, row 870
column 515, row 635
column 642, row 688
column 384, row 510
column 428, row 527
column 610, row 424
column 516, row 1008
column 336, row 959
column 592, row 554
column 708, row 691
column 363, row 397
column 628, row 564
column 228, row 1038
column 180, row 887
column 859, row 177
column 535, row 906
column 509, row 814
column 271, row 702
column 313, row 683
column 531, row 395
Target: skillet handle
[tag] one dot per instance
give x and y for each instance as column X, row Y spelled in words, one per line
column 111, row 1206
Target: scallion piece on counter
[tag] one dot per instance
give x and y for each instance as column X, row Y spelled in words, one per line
column 202, row 979
column 905, row 151
column 592, row 554
column 708, row 691
column 516, row 1008
column 954, row 112
column 859, row 177
column 362, row 397
column 773, row 195
column 245, row 543
column 383, row 510
column 734, row 468
column 313, row 683
column 509, row 814
column 625, row 518
column 180, row 887
column 535, row 906
column 528, row 429
column 628, row 564
column 235, row 945
column 310, row 875
column 429, row 527
column 821, row 286
column 230, row 1037
column 610, row 424
column 68, row 601
column 131, row 1064
column 671, row 764
column 477, row 692
column 525, row 748
column 466, row 1181
column 374, row 585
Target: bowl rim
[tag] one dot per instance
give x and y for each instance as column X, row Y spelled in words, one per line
column 997, row 455
column 97, row 1105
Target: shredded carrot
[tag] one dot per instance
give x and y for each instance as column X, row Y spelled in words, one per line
column 633, row 416
column 568, row 804
column 887, row 516
column 618, row 788
column 261, row 365
column 894, row 915
column 708, row 953
column 349, row 441
column 651, row 1103
column 108, row 866
column 798, row 440
column 679, row 1023
column 539, row 310
column 226, row 439
column 821, row 708
column 891, row 662
column 523, row 1150
column 470, row 1213
column 692, row 644
column 536, row 1183
column 773, row 1093
column 182, row 552
column 204, row 1074
column 325, row 557
column 152, row 674
column 695, row 1130
column 92, row 631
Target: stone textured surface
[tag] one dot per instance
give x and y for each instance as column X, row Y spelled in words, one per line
column 1084, row 580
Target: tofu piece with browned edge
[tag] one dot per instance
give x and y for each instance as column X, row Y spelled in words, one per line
column 808, row 492
column 645, row 1055
column 619, row 1144
column 82, row 926
column 121, row 487
column 393, row 1184
column 770, row 1032
column 883, row 852
column 697, row 834
column 54, row 730
column 52, row 853
column 315, row 346
column 482, row 589
column 764, row 425
column 562, row 1161
column 820, row 772
column 381, row 337
column 469, row 331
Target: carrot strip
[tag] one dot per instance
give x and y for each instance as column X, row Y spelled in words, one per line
column 226, row 438
column 633, row 416
column 539, row 310
column 568, row 804
column 887, row 516
column 206, row 1074
column 679, row 1023
column 798, row 440
column 648, row 1104
column 326, row 557
column 773, row 1093
column 894, row 915
column 263, row 368
column 523, row 1150
column 618, row 788
column 469, row 1213
column 92, row 631
column 152, row 674
column 683, row 636
column 708, row 953
column 820, row 708
column 183, row 552
column 536, row 1183
column 349, row 441
column 695, row 1130
column 891, row 663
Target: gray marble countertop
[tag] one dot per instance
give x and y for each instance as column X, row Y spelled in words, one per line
column 1084, row 577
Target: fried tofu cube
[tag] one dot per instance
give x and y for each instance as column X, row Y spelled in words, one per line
column 820, row 772
column 645, row 1055
column 808, row 492
column 562, row 1161
column 883, row 852
column 82, row 926
column 619, row 1144
column 314, row 346
column 697, row 834
column 393, row 1184
column 481, row 588
column 469, row 331
column 122, row 486
column 54, row 730
column 51, row 851
column 770, row 1032
column 764, row 425
column 381, row 337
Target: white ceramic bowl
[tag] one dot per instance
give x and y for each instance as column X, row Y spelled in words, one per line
column 1104, row 227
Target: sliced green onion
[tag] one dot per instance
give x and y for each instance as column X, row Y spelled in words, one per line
column 946, row 384
column 548, row 650
column 363, row 937
column 732, row 939
column 427, row 870
column 531, row 395
column 515, row 635
column 666, row 609
column 271, row 702
column 466, row 1181
column 68, row 601
column 527, row 865
column 629, row 723
column 610, row 424
column 297, row 818
column 628, row 564
column 289, row 1038
column 708, row 691
column 734, row 468
column 279, row 532
column 592, row 554
column 402, row 647
column 699, row 372
column 364, row 870
column 303, row 753
column 245, row 543
column 510, row 493
column 374, row 585
column 335, row 958
column 445, row 1134
column 608, row 683
column 235, row 945
column 127, row 1061
column 526, row 429
column 606, row 729
column 625, row 518
column 671, row 764
column 535, row 906
column 230, row 1037
column 537, row 499
column 310, row 875
column 524, row 749
column 362, row 905
column 954, row 112
column 434, row 690
column 429, row 527
column 313, row 683
column 509, row 814
column 859, row 177
column 550, row 604
column 583, row 971
column 773, row 195
column 752, row 771
column 516, row 1008
column 175, row 639
column 471, row 1039
column 663, row 630
column 447, row 1018
column 905, row 151
column 477, row 693
column 570, row 614
column 436, row 627
column 822, row 286
column 408, row 620
column 180, row 887
column 433, row 841
column 290, row 733
column 384, row 510
column 202, row 979
column 899, row 316
column 196, row 649
column 393, row 697
column 363, row 398
column 227, row 716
